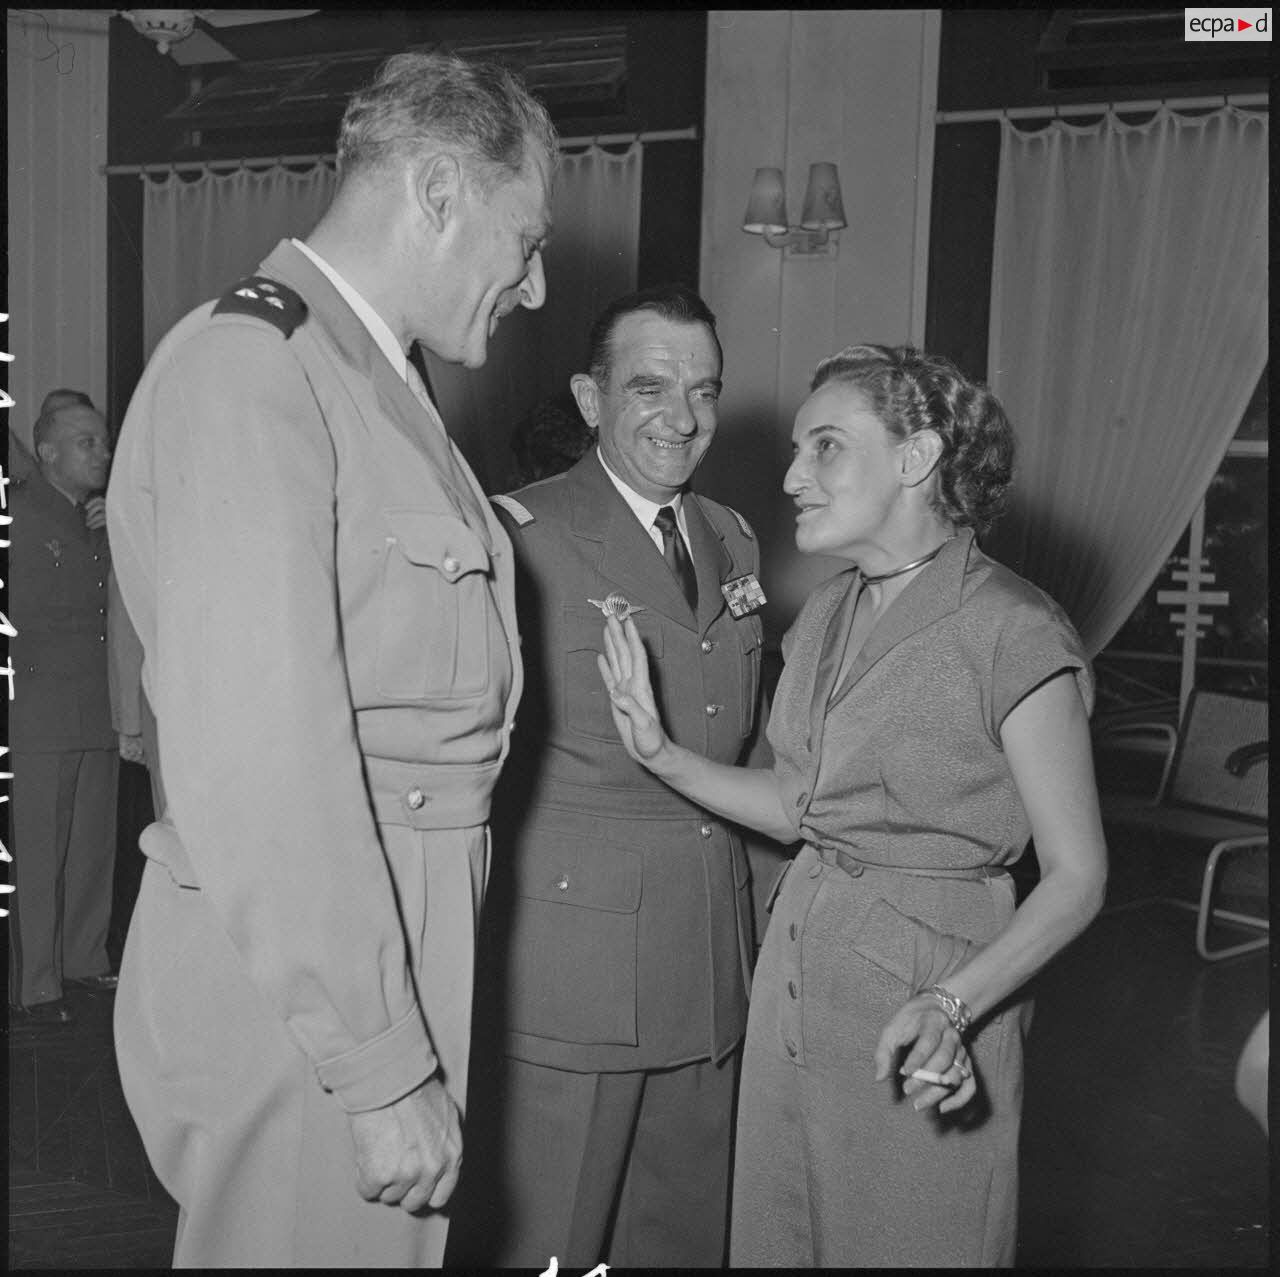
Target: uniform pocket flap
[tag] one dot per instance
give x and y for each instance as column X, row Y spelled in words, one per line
column 750, row 633
column 441, row 541
column 907, row 948
column 584, row 630
column 571, row 870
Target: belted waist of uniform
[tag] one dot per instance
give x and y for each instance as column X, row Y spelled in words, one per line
column 659, row 803
column 422, row 796
column 430, row 795
column 855, row 867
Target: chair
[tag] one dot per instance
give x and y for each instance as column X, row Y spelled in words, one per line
column 1213, row 791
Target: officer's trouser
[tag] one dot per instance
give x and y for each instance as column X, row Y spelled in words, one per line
column 258, row 1157
column 64, row 849
column 628, row 1168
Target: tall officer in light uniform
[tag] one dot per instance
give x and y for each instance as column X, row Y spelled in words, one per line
column 326, row 605
column 627, row 935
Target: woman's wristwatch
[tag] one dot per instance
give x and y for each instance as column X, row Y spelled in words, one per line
column 957, row 1012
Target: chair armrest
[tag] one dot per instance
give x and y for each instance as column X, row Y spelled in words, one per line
column 1152, row 728
column 1239, row 761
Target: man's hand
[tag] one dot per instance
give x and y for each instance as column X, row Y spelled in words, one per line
column 131, row 749
column 409, row 1154
column 95, row 513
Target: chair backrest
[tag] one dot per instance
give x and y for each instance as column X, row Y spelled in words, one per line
column 1214, row 726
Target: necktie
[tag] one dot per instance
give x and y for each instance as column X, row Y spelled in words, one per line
column 676, row 554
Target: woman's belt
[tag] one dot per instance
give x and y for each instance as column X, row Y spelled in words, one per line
column 855, row 867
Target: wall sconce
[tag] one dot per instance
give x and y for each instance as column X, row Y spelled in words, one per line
column 822, row 215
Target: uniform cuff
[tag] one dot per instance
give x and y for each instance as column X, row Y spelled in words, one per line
column 383, row 1070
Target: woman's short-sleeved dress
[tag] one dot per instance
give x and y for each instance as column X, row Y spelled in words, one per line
column 898, row 775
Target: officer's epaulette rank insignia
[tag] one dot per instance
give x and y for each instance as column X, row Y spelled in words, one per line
column 513, row 507
column 264, row 298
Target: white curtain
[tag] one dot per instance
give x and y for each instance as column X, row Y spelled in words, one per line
column 201, row 236
column 1128, row 330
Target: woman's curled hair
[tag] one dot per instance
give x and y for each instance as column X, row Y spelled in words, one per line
column 910, row 391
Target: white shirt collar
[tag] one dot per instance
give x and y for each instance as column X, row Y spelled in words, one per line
column 378, row 327
column 379, row 330
column 642, row 507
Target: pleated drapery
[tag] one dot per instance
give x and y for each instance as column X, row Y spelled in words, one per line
column 1128, row 330
column 200, row 236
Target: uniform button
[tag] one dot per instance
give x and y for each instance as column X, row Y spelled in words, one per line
column 562, row 884
column 791, row 988
column 415, row 798
column 706, row 831
column 853, row 870
column 793, row 931
column 815, row 871
column 102, row 638
column 713, row 710
column 102, row 611
column 101, row 584
column 96, row 557
column 450, row 564
column 708, row 645
column 791, row 1048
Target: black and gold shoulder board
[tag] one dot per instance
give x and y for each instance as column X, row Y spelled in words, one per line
column 264, row 298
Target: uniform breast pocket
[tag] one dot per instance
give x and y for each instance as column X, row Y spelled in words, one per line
column 434, row 609
column 586, row 702
column 751, row 637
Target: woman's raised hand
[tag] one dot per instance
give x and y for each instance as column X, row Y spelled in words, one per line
column 625, row 670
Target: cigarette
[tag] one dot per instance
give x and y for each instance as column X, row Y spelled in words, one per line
column 928, row 1075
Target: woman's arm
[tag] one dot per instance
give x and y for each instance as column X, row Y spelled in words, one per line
column 1046, row 740
column 746, row 795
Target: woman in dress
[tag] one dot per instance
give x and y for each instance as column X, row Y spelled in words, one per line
column 932, row 716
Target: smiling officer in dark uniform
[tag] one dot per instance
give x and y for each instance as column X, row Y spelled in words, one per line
column 626, row 928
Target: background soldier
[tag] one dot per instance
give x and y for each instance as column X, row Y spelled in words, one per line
column 65, row 763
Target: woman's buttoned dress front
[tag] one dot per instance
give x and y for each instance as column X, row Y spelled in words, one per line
column 897, row 775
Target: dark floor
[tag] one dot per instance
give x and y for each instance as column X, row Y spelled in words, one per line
column 1135, row 1151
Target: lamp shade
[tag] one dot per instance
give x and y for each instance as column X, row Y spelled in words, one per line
column 823, row 207
column 767, row 207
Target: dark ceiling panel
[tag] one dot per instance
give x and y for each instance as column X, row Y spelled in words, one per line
column 585, row 70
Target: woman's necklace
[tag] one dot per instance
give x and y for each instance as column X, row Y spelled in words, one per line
column 918, row 563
